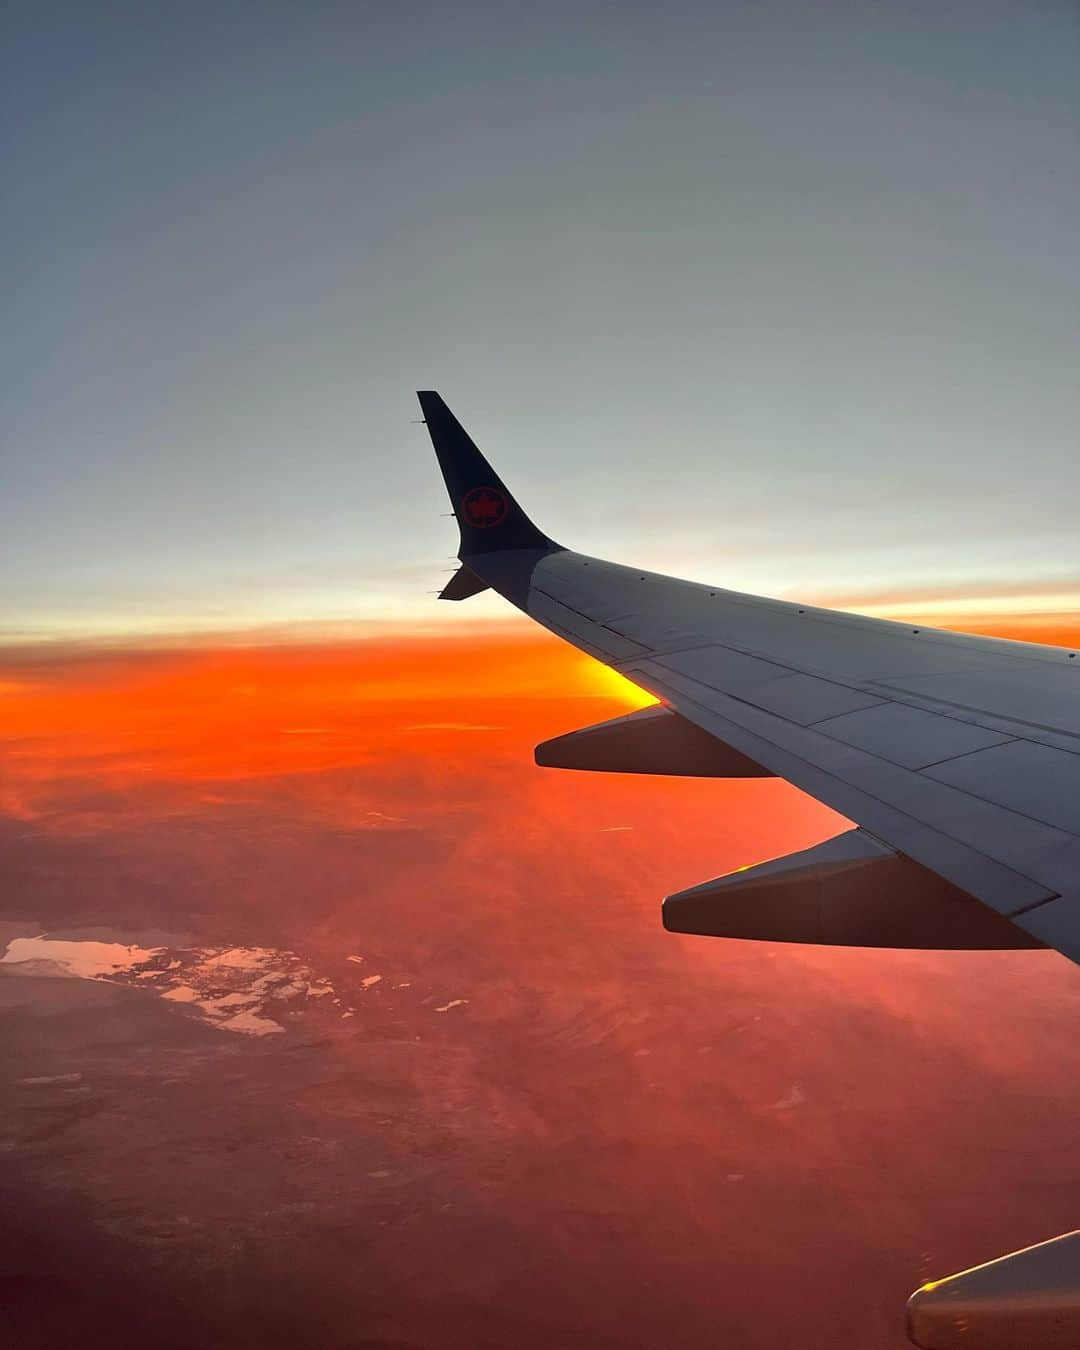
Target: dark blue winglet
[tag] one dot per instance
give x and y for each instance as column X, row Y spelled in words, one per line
column 489, row 518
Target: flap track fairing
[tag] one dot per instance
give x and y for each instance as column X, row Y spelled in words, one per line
column 850, row 891
column 651, row 740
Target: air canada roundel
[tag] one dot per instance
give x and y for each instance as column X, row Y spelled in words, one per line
column 483, row 507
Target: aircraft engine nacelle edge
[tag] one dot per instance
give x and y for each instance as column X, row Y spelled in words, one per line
column 1028, row 1300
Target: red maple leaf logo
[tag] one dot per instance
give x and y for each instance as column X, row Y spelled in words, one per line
column 483, row 507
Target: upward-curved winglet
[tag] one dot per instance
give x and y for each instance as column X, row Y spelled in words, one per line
column 489, row 518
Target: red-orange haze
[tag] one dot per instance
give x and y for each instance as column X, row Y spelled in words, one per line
column 546, row 1121
column 419, row 726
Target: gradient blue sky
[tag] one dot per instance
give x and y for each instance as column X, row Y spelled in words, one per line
column 780, row 296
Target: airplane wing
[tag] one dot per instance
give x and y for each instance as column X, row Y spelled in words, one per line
column 956, row 757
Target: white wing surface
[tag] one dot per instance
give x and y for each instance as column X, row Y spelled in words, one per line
column 957, row 757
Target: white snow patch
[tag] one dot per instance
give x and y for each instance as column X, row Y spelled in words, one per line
column 248, row 1024
column 181, row 993
column 454, row 1003
column 78, row 960
column 215, row 1005
column 241, row 958
column 232, row 988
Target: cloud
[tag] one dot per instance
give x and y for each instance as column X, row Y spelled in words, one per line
column 524, row 971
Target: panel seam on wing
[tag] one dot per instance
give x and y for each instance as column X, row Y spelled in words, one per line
column 1006, row 868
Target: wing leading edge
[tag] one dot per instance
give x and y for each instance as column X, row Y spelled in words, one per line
column 958, row 756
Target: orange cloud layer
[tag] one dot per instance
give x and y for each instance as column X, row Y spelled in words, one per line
column 381, row 735
column 233, row 713
column 229, row 714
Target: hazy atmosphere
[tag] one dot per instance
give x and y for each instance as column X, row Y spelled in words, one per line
column 386, row 1047
column 775, row 295
column 327, row 1018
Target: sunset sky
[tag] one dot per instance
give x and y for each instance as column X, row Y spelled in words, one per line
column 780, row 297
column 775, row 295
